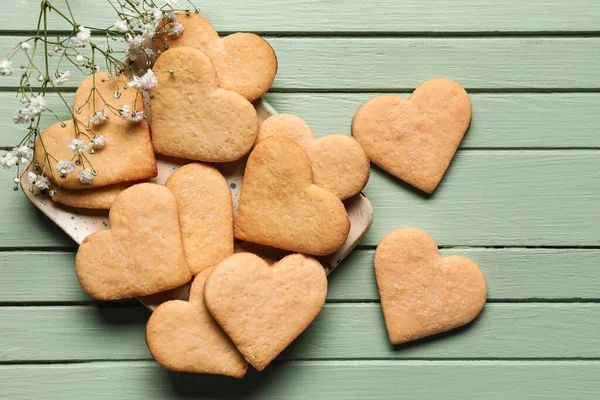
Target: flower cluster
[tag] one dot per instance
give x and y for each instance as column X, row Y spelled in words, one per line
column 36, row 106
column 138, row 24
column 21, row 155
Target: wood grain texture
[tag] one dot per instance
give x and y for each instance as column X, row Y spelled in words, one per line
column 499, row 198
column 487, row 198
column 341, row 331
column 377, row 380
column 532, row 70
column 500, row 120
column 338, row 16
column 511, row 274
column 520, row 120
column 373, row 64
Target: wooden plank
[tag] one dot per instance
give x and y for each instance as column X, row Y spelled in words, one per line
column 403, row 16
column 511, row 273
column 377, row 380
column 487, row 198
column 342, row 331
column 24, row 225
column 498, row 198
column 499, row 120
column 373, row 64
column 537, row 120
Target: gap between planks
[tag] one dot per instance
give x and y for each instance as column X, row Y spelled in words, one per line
column 320, row 361
column 338, row 361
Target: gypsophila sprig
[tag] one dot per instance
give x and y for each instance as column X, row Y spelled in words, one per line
column 99, row 117
column 78, row 146
column 98, row 142
column 65, row 167
column 126, row 48
column 145, row 82
column 86, row 176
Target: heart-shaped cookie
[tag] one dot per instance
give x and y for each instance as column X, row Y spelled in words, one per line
column 339, row 163
column 142, row 252
column 98, row 198
column 127, row 155
column 205, row 214
column 415, row 139
column 281, row 207
column 263, row 308
column 421, row 293
column 245, row 62
column 191, row 117
column 182, row 336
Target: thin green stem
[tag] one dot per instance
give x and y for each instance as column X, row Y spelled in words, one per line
column 70, row 12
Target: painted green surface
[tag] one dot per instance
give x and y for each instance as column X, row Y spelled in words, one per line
column 527, row 177
column 512, row 274
column 487, row 198
column 502, row 121
column 377, row 380
column 341, row 331
column 340, row 16
column 384, row 63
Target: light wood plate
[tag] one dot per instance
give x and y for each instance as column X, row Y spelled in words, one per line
column 79, row 223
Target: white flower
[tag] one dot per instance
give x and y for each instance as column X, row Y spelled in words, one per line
column 121, row 26
column 137, row 116
column 99, row 117
column 37, row 105
column 31, row 177
column 23, row 116
column 125, row 111
column 157, row 14
column 83, row 37
column 145, row 82
column 98, row 142
column 24, row 154
column 134, row 48
column 86, row 176
column 25, row 46
column 8, row 160
column 42, row 183
column 176, row 29
column 65, row 167
column 63, row 78
column 78, row 146
column 148, row 31
column 174, row 3
column 5, row 68
column 80, row 59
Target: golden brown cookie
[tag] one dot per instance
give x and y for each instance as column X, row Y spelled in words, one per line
column 339, row 163
column 205, row 214
column 281, row 207
column 245, row 62
column 99, row 198
column 262, row 307
column 191, row 117
column 421, row 293
column 415, row 139
column 127, row 154
column 182, row 336
column 142, row 252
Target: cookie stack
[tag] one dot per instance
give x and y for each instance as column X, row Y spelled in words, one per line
column 241, row 309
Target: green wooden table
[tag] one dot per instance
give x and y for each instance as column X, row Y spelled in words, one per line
column 522, row 198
